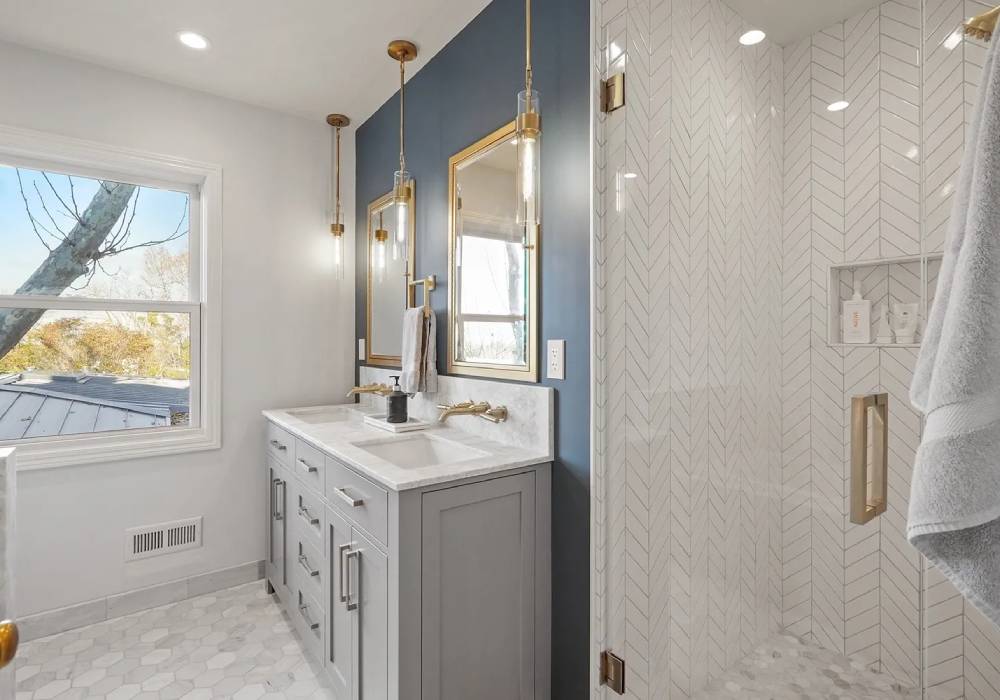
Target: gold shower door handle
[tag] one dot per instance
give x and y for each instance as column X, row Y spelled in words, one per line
column 869, row 456
column 9, row 638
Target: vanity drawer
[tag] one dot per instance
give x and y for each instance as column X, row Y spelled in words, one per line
column 280, row 444
column 309, row 617
column 308, row 565
column 358, row 498
column 310, row 466
column 307, row 516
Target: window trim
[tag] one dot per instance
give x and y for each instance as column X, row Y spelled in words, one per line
column 29, row 148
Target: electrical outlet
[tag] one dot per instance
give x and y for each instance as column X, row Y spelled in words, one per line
column 361, row 350
column 556, row 360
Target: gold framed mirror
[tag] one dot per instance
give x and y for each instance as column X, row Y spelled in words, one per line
column 390, row 269
column 492, row 271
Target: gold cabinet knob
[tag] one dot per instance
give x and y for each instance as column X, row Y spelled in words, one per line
column 8, row 642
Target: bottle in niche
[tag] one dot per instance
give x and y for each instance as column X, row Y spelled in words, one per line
column 396, row 408
column 857, row 318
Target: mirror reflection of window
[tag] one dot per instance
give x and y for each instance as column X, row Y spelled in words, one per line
column 490, row 262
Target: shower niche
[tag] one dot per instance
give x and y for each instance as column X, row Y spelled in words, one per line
column 894, row 286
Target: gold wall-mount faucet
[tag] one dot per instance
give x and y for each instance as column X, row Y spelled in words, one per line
column 482, row 409
column 380, row 389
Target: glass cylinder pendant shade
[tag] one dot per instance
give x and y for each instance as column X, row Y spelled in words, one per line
column 529, row 141
column 381, row 242
column 337, row 231
column 402, row 199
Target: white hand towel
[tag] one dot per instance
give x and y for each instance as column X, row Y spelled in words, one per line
column 412, row 352
column 419, row 358
column 954, row 517
column 430, row 374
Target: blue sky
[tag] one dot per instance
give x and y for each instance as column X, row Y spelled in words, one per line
column 157, row 216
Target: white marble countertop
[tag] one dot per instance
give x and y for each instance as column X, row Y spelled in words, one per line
column 344, row 439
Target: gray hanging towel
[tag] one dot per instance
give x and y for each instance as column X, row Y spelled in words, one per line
column 954, row 517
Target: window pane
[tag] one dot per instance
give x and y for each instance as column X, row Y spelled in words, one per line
column 492, row 276
column 496, row 342
column 72, row 372
column 63, row 235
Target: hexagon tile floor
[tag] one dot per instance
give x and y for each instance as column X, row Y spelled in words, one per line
column 236, row 643
column 785, row 668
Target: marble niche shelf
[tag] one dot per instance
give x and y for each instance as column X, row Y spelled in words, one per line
column 884, row 281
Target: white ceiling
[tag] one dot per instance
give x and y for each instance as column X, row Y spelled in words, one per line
column 306, row 57
column 786, row 21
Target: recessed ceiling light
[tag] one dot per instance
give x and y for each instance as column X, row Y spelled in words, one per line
column 754, row 36
column 838, row 106
column 193, row 40
column 631, row 176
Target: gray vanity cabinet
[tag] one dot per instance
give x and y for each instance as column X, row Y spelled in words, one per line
column 277, row 462
column 370, row 585
column 478, row 574
column 276, row 565
column 429, row 593
column 340, row 633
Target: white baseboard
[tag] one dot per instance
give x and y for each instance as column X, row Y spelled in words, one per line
column 59, row 620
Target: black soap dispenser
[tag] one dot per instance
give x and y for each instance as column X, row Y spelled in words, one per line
column 396, row 404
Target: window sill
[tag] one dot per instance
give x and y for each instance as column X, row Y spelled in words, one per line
column 111, row 447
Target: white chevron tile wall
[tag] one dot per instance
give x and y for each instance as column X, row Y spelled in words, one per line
column 880, row 183
column 687, row 332
column 724, row 190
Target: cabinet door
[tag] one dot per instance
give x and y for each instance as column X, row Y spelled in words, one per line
column 368, row 573
column 340, row 621
column 277, row 566
column 478, row 590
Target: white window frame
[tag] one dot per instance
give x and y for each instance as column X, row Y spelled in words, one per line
column 43, row 151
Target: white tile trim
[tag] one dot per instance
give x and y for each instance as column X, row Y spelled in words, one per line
column 90, row 612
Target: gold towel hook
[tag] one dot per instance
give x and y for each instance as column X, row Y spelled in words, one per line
column 430, row 284
column 982, row 26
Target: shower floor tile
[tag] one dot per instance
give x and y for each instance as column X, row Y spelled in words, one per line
column 235, row 643
column 785, row 667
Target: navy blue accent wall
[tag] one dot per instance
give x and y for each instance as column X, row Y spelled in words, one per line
column 466, row 91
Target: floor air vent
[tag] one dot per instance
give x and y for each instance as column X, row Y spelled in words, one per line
column 163, row 538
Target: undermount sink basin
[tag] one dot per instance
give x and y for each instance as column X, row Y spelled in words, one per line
column 316, row 416
column 418, row 451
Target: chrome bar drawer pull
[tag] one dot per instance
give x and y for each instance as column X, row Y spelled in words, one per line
column 302, row 612
column 278, row 446
column 304, row 562
column 340, row 553
column 356, row 555
column 347, row 498
column 279, row 514
column 307, row 516
column 308, row 467
column 869, row 457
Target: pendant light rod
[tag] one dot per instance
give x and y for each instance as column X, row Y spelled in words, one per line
column 338, row 122
column 527, row 45
column 404, row 52
column 402, row 115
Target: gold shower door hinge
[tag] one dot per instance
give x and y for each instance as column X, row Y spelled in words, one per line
column 613, row 93
column 613, row 672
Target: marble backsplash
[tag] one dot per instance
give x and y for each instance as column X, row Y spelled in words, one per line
column 531, row 408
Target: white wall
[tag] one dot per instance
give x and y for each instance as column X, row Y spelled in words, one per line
column 287, row 325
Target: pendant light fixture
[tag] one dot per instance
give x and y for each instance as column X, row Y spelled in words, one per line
column 338, row 122
column 381, row 242
column 529, row 141
column 402, row 51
